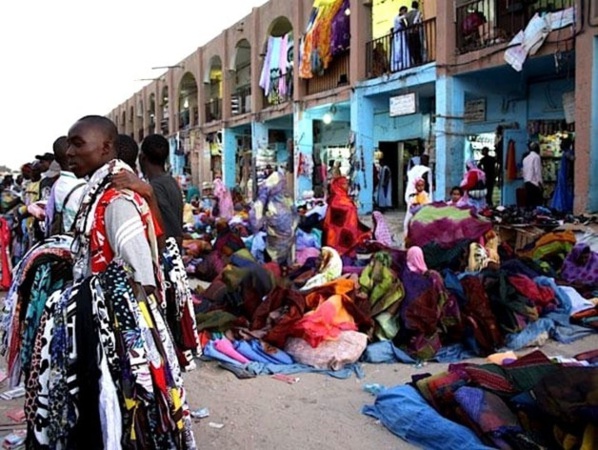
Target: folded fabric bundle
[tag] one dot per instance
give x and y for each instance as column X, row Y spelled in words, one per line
column 210, row 351
column 226, row 347
column 405, row 413
column 255, row 352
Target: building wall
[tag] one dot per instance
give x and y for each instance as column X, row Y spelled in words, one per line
column 511, row 97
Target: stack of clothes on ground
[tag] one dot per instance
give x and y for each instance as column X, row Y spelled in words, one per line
column 532, row 402
column 456, row 293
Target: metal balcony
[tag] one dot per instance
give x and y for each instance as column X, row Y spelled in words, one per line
column 484, row 23
column 412, row 47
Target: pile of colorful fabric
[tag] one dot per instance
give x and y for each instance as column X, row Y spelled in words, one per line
column 533, row 402
column 460, row 294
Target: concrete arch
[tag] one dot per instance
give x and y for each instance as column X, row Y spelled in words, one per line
column 151, row 110
column 242, row 54
column 280, row 26
column 187, row 104
column 213, row 70
column 164, row 100
column 240, row 74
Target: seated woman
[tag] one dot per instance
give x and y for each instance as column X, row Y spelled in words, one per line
column 457, row 197
column 580, row 268
column 425, row 309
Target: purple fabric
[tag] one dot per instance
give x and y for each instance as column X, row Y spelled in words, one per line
column 575, row 270
column 444, row 231
column 340, row 34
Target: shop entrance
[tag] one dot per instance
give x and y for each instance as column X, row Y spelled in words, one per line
column 396, row 156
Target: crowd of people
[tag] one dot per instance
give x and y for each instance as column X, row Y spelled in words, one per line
column 101, row 237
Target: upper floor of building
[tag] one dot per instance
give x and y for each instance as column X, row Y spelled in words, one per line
column 309, row 52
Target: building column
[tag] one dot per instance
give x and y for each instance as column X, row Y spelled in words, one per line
column 586, row 128
column 362, row 127
column 361, row 34
column 229, row 153
column 173, row 103
column 449, row 158
column 303, row 137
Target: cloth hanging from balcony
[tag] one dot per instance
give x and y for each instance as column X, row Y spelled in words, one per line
column 341, row 30
column 276, row 76
column 325, row 25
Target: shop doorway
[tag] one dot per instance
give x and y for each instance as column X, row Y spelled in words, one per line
column 396, row 156
column 389, row 155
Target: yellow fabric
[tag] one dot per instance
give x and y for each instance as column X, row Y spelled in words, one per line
column 146, row 315
column 177, row 404
column 590, row 438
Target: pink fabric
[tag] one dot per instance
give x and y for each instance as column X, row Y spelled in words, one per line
column 415, row 260
column 381, row 231
column 226, row 347
column 303, row 255
column 226, row 208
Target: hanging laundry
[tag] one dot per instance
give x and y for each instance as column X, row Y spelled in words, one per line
column 511, row 162
column 316, row 45
column 276, row 76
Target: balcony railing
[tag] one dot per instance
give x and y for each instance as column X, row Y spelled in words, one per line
column 213, row 109
column 241, row 101
column 483, row 23
column 336, row 75
column 403, row 49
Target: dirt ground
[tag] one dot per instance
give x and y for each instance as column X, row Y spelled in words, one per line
column 318, row 412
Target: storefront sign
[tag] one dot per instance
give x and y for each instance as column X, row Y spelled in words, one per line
column 475, row 110
column 403, row 105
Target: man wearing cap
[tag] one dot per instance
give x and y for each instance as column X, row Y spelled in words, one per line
column 50, row 171
column 44, row 161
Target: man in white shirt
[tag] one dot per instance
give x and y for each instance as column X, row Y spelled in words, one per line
column 532, row 176
column 66, row 194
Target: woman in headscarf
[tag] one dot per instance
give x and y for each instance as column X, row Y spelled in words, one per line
column 581, row 267
column 343, row 230
column 474, row 185
column 225, row 200
column 426, row 309
column 274, row 211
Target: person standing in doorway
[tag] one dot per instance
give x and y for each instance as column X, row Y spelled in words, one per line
column 414, row 23
column 532, row 176
column 488, row 166
column 384, row 189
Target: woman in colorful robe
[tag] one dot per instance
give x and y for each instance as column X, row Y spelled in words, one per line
column 342, row 229
column 274, row 210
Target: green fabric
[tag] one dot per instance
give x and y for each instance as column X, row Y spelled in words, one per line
column 385, row 293
column 214, row 320
column 427, row 215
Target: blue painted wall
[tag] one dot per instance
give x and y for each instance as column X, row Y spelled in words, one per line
column 304, row 143
column 229, row 157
